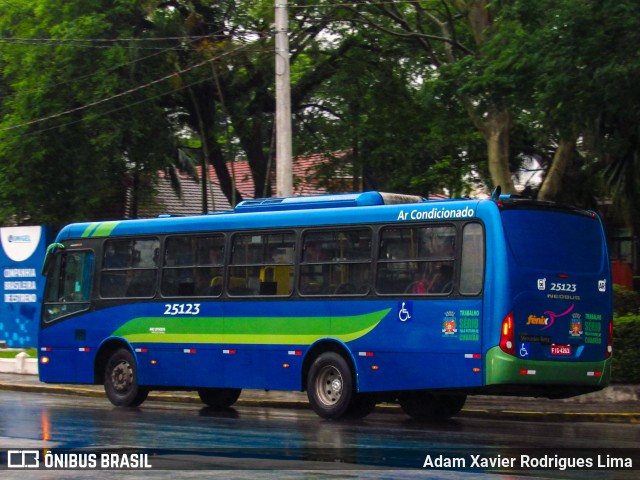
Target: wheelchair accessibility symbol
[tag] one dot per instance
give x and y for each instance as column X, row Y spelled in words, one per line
column 404, row 311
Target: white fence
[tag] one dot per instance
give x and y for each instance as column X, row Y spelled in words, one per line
column 22, row 363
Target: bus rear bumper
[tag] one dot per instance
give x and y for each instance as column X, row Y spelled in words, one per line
column 544, row 378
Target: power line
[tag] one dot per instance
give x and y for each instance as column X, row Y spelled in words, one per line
column 47, row 40
column 353, row 4
column 111, row 69
column 123, row 107
column 107, row 43
column 124, row 93
column 83, row 77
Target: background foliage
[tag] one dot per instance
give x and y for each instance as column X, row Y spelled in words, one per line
column 434, row 96
column 626, row 335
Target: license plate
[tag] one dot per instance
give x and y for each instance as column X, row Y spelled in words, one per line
column 560, row 349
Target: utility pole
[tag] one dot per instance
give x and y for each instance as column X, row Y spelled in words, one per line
column 284, row 175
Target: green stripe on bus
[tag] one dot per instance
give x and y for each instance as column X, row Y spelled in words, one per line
column 99, row 229
column 104, row 229
column 248, row 330
column 89, row 229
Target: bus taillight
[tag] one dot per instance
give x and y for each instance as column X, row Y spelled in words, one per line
column 609, row 351
column 507, row 344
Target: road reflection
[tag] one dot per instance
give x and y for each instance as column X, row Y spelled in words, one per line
column 188, row 436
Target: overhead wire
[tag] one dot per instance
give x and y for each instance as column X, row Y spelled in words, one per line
column 114, row 110
column 191, row 40
column 351, row 4
column 109, row 43
column 125, row 92
column 83, row 77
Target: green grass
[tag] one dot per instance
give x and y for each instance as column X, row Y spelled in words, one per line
column 33, row 353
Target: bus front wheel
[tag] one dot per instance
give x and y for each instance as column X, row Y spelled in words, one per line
column 429, row 406
column 330, row 387
column 219, row 398
column 121, row 380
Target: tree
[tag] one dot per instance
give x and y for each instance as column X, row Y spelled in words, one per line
column 230, row 105
column 581, row 102
column 67, row 128
column 392, row 115
column 452, row 36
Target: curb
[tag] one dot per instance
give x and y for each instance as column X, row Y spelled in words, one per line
column 22, row 364
column 554, row 417
column 470, row 412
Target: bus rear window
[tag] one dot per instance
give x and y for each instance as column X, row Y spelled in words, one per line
column 554, row 240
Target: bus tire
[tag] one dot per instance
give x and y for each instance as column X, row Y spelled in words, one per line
column 121, row 380
column 428, row 406
column 450, row 405
column 330, row 387
column 361, row 405
column 219, row 398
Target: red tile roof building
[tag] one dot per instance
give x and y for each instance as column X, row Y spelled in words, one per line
column 312, row 174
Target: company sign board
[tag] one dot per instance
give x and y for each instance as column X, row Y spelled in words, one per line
column 21, row 284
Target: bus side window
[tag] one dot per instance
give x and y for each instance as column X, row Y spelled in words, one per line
column 262, row 264
column 193, row 266
column 336, row 262
column 129, row 268
column 416, row 260
column 472, row 264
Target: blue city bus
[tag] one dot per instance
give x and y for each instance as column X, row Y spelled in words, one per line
column 356, row 299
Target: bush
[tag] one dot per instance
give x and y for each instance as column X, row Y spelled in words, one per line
column 625, row 302
column 625, row 367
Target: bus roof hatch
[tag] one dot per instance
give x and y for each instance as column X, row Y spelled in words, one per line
column 341, row 200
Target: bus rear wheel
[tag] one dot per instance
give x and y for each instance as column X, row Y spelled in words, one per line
column 361, row 405
column 121, row 380
column 219, row 398
column 428, row 406
column 330, row 387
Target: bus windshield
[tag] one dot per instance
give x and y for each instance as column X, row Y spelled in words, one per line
column 554, row 240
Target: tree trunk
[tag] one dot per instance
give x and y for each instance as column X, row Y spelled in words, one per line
column 496, row 129
column 227, row 184
column 553, row 181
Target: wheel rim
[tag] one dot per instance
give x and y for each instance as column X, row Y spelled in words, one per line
column 122, row 376
column 329, row 385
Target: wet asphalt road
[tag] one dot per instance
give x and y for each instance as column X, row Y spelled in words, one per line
column 255, row 443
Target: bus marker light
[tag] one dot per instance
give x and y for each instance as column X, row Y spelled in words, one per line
column 528, row 372
column 375, row 367
column 84, row 349
column 45, row 349
column 506, row 336
column 609, row 341
column 594, row 374
column 475, row 369
column 154, row 362
column 563, row 275
column 229, row 352
column 141, row 350
column 44, row 360
column 472, row 355
column 295, row 352
column 189, row 350
column 285, row 365
column 365, row 354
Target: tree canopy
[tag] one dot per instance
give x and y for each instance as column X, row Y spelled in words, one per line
column 428, row 96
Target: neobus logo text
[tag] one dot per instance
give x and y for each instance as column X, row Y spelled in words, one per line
column 436, row 214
